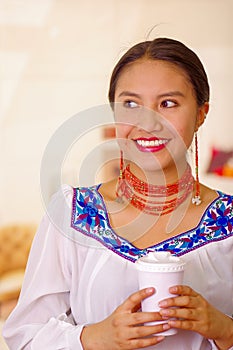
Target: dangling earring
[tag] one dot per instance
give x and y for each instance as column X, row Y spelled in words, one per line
column 121, row 165
column 120, row 178
column 197, row 198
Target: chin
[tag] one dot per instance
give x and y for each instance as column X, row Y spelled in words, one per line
column 154, row 162
column 149, row 165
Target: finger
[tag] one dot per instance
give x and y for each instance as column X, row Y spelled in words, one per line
column 182, row 301
column 183, row 290
column 131, row 320
column 144, row 342
column 135, row 299
column 184, row 324
column 137, row 308
column 143, row 317
column 147, row 330
column 188, row 314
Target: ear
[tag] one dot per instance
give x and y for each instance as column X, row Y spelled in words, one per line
column 201, row 115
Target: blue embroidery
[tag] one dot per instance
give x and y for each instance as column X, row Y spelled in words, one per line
column 89, row 213
column 89, row 216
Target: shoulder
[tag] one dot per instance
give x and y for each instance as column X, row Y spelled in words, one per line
column 223, row 206
column 67, row 199
column 218, row 218
column 225, row 195
column 220, row 206
column 212, row 196
column 87, row 203
column 223, row 199
column 72, row 208
column 89, row 216
column 66, row 194
column 106, row 191
column 83, row 194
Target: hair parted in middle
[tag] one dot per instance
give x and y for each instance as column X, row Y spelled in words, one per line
column 169, row 50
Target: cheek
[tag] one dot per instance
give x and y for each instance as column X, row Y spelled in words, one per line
column 186, row 133
column 122, row 131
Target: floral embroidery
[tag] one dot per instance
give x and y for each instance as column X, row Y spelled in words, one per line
column 215, row 225
column 90, row 217
column 88, row 210
column 221, row 221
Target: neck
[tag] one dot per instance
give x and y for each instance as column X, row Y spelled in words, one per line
column 154, row 198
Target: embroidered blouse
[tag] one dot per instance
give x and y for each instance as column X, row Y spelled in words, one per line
column 79, row 263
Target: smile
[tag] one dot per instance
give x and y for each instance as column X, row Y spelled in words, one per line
column 151, row 145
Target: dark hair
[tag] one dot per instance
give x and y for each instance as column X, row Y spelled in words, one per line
column 167, row 50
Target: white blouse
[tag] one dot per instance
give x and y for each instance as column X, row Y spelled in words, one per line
column 73, row 265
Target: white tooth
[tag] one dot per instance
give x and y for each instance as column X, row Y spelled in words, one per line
column 151, row 143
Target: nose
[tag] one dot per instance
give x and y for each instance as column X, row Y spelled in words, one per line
column 149, row 120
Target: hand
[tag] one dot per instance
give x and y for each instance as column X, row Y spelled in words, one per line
column 124, row 329
column 194, row 313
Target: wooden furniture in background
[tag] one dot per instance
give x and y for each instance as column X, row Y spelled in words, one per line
column 15, row 243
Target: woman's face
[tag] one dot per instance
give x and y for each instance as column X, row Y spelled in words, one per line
column 156, row 113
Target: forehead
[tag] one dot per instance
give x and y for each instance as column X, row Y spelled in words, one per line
column 149, row 72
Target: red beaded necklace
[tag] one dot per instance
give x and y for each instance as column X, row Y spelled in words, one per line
column 137, row 192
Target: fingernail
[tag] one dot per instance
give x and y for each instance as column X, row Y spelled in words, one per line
column 160, row 338
column 166, row 326
column 150, row 290
column 165, row 312
column 162, row 303
column 173, row 289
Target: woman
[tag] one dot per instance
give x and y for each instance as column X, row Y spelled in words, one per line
column 80, row 289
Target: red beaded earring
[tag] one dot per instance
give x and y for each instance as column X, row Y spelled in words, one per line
column 197, row 198
column 120, row 178
column 121, row 165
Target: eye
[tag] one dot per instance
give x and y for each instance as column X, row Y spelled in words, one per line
column 168, row 104
column 130, row 104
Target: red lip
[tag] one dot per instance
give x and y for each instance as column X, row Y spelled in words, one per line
column 150, row 149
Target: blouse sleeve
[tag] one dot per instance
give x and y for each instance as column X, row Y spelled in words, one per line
column 214, row 347
column 39, row 320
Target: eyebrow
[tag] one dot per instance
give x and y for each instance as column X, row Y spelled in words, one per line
column 169, row 93
column 128, row 93
column 172, row 93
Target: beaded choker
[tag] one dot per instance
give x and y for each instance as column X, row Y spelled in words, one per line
column 170, row 196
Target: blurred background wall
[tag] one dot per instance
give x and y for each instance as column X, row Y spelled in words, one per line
column 56, row 58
